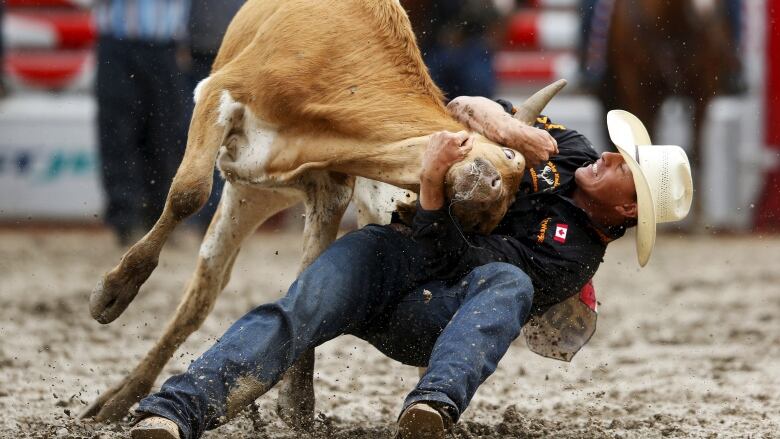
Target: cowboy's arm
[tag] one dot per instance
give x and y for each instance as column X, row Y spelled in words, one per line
column 493, row 121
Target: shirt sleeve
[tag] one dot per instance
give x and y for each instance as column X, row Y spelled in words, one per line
column 448, row 254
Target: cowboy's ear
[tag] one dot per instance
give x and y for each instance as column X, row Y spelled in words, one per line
column 627, row 210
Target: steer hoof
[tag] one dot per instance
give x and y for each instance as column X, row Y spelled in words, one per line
column 114, row 404
column 110, row 298
column 117, row 289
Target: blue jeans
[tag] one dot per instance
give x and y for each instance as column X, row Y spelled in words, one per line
column 366, row 284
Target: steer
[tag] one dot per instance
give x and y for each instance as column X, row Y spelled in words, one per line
column 304, row 96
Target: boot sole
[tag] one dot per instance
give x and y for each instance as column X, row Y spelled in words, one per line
column 154, row 430
column 421, row 422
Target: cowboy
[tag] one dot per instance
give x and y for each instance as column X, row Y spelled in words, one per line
column 428, row 295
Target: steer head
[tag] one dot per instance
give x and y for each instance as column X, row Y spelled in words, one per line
column 481, row 188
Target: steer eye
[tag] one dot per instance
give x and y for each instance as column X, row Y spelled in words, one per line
column 509, row 153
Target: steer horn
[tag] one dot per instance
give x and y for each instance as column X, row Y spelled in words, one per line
column 533, row 106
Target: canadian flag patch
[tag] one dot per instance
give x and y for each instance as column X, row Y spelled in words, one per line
column 560, row 232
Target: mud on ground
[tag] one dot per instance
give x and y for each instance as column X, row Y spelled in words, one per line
column 688, row 347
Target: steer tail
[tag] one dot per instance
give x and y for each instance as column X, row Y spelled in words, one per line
column 188, row 193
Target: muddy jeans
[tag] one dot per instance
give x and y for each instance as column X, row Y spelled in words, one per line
column 366, row 284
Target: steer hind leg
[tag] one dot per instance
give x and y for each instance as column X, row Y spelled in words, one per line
column 326, row 197
column 189, row 191
column 241, row 211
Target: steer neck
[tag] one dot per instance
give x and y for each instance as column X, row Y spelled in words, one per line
column 397, row 163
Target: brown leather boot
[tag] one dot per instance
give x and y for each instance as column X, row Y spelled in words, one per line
column 422, row 421
column 155, row 427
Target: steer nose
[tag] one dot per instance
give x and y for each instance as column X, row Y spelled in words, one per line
column 494, row 181
column 489, row 185
column 477, row 182
column 488, row 180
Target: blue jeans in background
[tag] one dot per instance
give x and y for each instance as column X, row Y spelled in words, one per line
column 462, row 70
column 142, row 130
column 368, row 284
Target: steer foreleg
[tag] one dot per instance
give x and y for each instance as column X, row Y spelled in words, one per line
column 327, row 197
column 241, row 211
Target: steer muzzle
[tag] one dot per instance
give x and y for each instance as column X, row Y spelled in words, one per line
column 482, row 186
column 477, row 181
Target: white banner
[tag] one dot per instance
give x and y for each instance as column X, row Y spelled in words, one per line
column 48, row 158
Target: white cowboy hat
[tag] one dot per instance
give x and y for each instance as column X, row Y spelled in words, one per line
column 662, row 176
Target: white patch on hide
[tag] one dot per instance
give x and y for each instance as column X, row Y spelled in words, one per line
column 227, row 107
column 260, row 135
column 247, row 148
column 199, row 89
column 375, row 201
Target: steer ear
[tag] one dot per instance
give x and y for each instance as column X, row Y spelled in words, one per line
column 533, row 106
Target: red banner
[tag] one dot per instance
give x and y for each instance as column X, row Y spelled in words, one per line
column 768, row 215
column 773, row 74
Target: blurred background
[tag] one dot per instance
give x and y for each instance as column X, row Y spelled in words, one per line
column 95, row 99
column 96, row 94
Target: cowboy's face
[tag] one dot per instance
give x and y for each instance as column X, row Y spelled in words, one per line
column 609, row 182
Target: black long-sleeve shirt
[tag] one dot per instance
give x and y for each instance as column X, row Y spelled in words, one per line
column 543, row 232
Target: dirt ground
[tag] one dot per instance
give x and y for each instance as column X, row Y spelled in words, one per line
column 687, row 347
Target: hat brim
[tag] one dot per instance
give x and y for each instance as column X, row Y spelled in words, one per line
column 626, row 132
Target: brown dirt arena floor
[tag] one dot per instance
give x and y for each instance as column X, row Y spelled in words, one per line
column 688, row 347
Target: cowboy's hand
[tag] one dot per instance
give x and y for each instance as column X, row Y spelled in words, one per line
column 536, row 145
column 444, row 149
